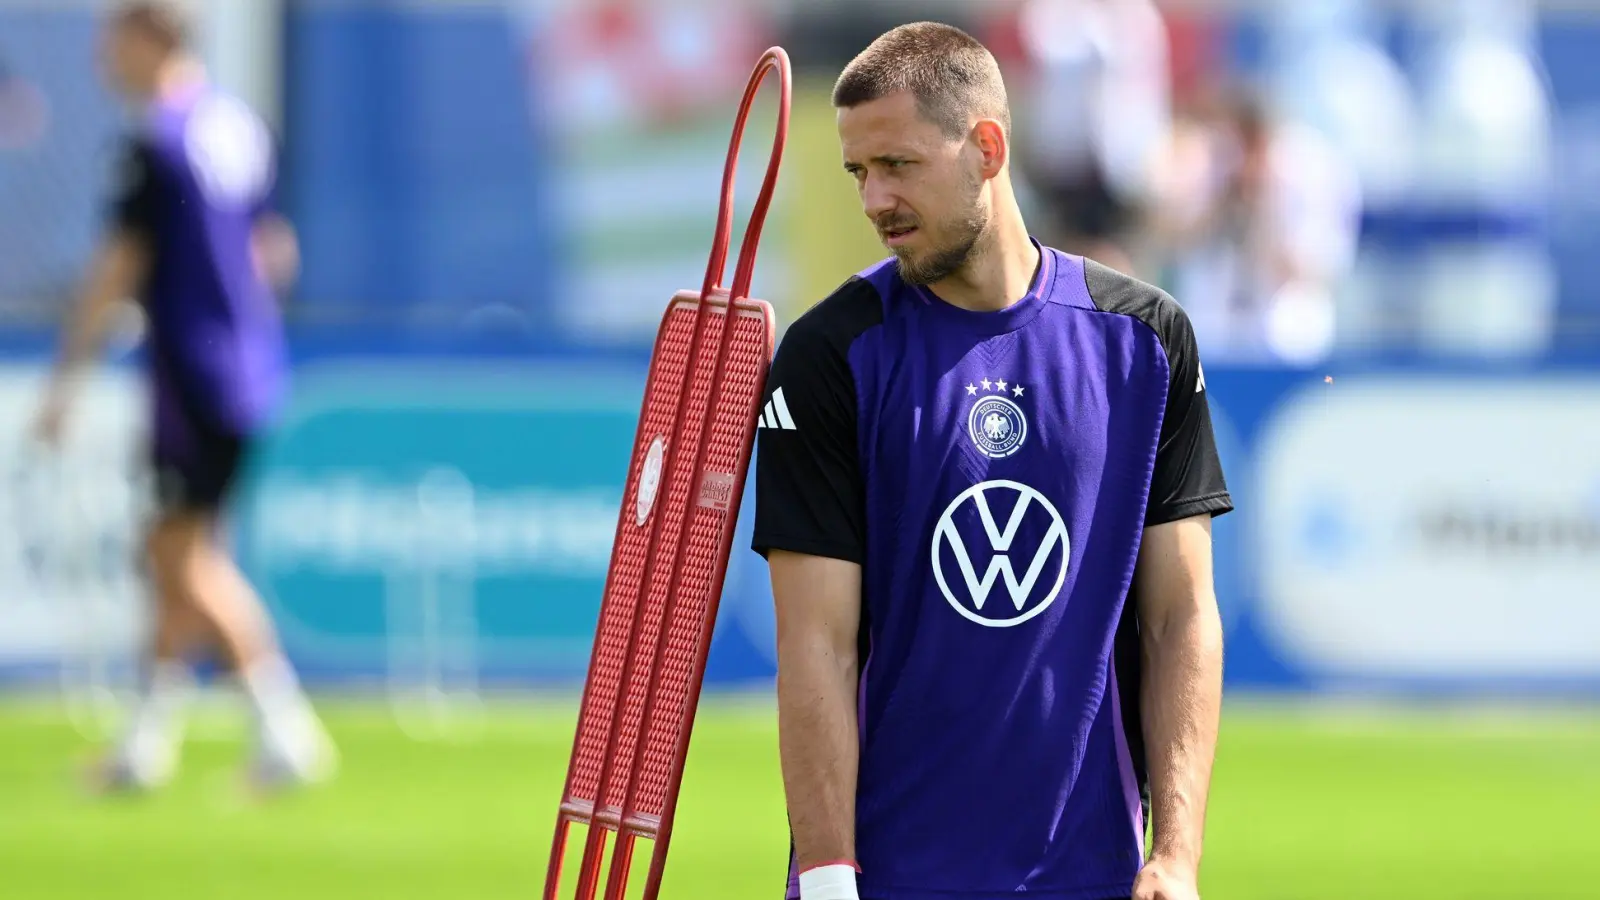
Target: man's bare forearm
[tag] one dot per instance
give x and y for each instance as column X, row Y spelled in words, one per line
column 277, row 251
column 818, row 742
column 1182, row 702
column 81, row 341
column 113, row 274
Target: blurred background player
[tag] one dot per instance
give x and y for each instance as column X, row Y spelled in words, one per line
column 192, row 235
column 986, row 501
column 1097, row 111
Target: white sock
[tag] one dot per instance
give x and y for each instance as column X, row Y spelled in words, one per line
column 157, row 722
column 284, row 715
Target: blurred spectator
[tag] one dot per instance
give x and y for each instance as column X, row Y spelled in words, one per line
column 1327, row 68
column 1258, row 221
column 1487, row 287
column 632, row 64
column 1096, row 112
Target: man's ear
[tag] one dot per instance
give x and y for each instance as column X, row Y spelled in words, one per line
column 990, row 138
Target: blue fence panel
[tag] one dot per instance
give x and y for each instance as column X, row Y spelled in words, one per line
column 413, row 165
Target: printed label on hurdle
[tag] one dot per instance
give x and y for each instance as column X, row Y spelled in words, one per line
column 649, row 480
column 716, row 490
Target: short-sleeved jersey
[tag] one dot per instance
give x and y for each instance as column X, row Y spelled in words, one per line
column 194, row 179
column 993, row 473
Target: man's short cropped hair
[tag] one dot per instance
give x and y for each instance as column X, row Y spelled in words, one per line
column 951, row 74
column 165, row 23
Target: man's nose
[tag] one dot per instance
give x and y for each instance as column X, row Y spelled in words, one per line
column 876, row 199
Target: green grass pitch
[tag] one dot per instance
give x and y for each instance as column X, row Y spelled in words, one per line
column 1308, row 804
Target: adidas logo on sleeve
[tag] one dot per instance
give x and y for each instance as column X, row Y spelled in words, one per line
column 776, row 413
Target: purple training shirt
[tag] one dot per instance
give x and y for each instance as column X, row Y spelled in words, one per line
column 993, row 473
column 196, row 176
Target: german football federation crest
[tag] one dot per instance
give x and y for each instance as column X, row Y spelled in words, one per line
column 996, row 422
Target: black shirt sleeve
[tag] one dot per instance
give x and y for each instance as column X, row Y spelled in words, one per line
column 134, row 200
column 1188, row 479
column 810, row 496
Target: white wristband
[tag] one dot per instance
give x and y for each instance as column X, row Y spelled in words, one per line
column 836, row 882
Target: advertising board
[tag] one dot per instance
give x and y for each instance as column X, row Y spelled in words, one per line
column 1433, row 528
column 446, row 524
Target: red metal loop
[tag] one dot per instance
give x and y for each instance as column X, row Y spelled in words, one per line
column 774, row 59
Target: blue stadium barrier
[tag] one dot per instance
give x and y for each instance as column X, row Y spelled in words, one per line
column 1398, row 529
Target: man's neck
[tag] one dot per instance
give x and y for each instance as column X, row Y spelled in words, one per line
column 1000, row 274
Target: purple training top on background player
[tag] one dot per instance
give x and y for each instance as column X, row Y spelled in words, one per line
column 196, row 178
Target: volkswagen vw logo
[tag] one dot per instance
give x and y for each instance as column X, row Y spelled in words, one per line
column 1043, row 561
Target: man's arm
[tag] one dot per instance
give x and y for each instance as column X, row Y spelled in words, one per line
column 114, row 274
column 819, row 613
column 811, row 526
column 276, row 249
column 1180, row 633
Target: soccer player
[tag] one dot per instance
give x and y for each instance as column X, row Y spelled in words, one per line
column 985, row 483
column 192, row 235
